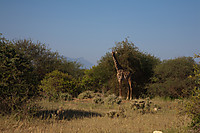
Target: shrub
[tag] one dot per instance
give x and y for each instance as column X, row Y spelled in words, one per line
column 144, row 106
column 98, row 100
column 66, row 96
column 116, row 113
column 86, row 95
column 56, row 83
column 193, row 109
column 109, row 100
column 17, row 82
column 112, row 99
column 193, row 106
column 171, row 78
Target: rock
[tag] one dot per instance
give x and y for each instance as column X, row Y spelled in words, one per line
column 157, row 132
column 155, row 109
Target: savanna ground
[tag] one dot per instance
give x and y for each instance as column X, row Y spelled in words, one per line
column 84, row 116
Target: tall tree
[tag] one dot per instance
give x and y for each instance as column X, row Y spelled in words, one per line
column 139, row 63
column 44, row 60
column 171, row 78
column 17, row 82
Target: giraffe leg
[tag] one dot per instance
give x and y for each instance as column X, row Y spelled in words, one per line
column 130, row 87
column 120, row 89
column 128, row 93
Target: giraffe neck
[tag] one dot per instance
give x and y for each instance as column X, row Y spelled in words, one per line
column 117, row 65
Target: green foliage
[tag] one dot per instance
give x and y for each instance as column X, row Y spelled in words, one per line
column 171, row 78
column 98, row 100
column 88, row 82
column 144, row 106
column 56, row 83
column 45, row 61
column 86, row 95
column 112, row 99
column 109, row 100
column 66, row 96
column 116, row 113
column 193, row 106
column 130, row 58
column 23, row 64
column 16, row 78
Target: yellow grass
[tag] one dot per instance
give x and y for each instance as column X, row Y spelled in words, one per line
column 82, row 116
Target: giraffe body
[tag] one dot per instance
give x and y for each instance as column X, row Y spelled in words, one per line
column 122, row 75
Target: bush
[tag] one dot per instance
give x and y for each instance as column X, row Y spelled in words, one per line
column 66, row 96
column 193, row 109
column 116, row 113
column 86, row 95
column 56, row 83
column 144, row 106
column 171, row 78
column 98, row 100
column 112, row 99
column 193, row 106
column 109, row 100
column 17, row 82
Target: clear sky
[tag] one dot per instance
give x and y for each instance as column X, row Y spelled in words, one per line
column 88, row 28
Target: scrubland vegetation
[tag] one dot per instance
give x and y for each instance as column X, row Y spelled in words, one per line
column 41, row 91
column 83, row 115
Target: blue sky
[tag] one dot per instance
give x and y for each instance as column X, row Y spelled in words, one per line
column 88, row 28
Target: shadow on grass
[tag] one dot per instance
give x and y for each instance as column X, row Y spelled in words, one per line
column 66, row 114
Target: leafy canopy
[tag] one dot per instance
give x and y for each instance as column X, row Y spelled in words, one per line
column 130, row 58
column 17, row 83
column 58, row 82
column 171, row 78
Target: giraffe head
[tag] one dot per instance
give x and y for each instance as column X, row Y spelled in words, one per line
column 114, row 52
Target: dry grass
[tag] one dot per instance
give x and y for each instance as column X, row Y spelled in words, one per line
column 83, row 116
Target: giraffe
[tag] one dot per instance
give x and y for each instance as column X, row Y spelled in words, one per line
column 122, row 75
